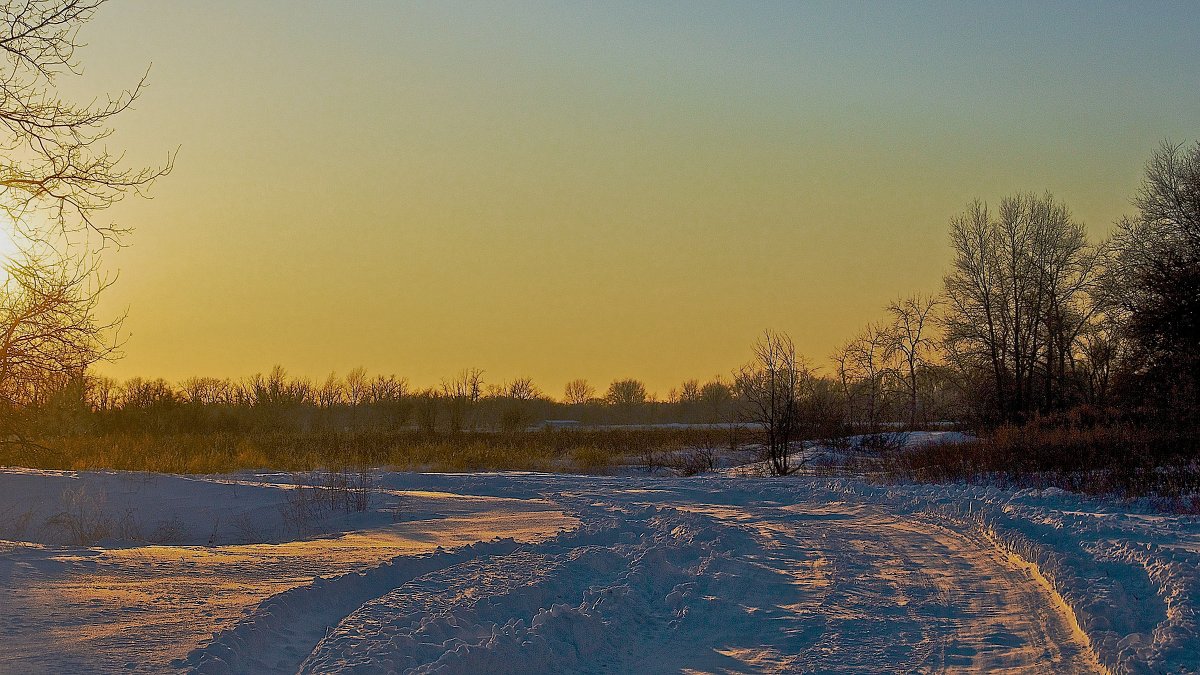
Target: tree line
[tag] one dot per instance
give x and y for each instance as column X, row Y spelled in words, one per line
column 1033, row 321
column 1034, row 325
column 276, row 401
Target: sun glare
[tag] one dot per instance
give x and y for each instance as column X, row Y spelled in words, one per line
column 8, row 244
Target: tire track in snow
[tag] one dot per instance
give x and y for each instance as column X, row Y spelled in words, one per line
column 576, row 608
column 748, row 586
column 276, row 635
column 280, row 633
column 911, row 596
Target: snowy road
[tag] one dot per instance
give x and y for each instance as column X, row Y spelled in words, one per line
column 693, row 581
column 530, row 573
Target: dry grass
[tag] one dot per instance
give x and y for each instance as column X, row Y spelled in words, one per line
column 1117, row 459
column 573, row 450
column 588, row 459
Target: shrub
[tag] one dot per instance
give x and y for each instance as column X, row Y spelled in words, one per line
column 1115, row 458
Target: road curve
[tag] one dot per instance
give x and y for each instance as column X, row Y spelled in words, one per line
column 694, row 580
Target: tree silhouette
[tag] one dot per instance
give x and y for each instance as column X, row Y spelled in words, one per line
column 1021, row 292
column 769, row 387
column 56, row 176
column 1157, row 277
column 56, row 173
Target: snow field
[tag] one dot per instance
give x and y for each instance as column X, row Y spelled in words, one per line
column 705, row 574
column 710, row 575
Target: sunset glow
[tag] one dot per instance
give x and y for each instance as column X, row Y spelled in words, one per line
column 635, row 336
column 571, row 190
column 8, row 246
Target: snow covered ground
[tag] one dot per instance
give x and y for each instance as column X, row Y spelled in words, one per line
column 529, row 573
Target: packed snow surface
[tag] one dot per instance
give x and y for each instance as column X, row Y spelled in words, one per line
column 533, row 573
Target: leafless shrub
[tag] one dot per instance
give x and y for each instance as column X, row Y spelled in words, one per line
column 216, row 529
column 693, row 461
column 303, row 505
column 129, row 528
column 82, row 520
column 171, row 531
column 360, row 489
column 346, row 490
column 247, row 531
column 318, row 494
column 14, row 523
column 1113, row 459
column 884, row 442
column 650, row 458
column 399, row 509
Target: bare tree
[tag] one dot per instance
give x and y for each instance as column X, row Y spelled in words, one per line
column 863, row 365
column 141, row 393
column 1101, row 354
column 387, row 389
column 428, row 405
column 201, row 390
column 467, row 385
column 1156, row 279
column 717, row 395
column 522, row 389
column 461, row 393
column 909, row 338
column 331, row 392
column 515, row 401
column 101, row 392
column 55, row 162
column 357, row 387
column 578, row 392
column 716, row 392
column 48, row 328
column 769, row 387
column 628, row 392
column 1021, row 292
column 689, row 392
column 56, row 176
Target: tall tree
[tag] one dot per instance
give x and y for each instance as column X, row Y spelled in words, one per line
column 769, row 388
column 1156, row 277
column 57, row 173
column 910, row 340
column 864, row 364
column 1020, row 293
column 48, row 331
column 461, row 393
column 578, row 392
column 56, row 176
column 628, row 393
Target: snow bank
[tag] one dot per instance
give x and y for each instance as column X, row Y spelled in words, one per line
column 118, row 509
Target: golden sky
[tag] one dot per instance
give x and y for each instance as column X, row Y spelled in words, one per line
column 598, row 190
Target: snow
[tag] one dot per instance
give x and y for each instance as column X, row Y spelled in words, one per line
column 529, row 573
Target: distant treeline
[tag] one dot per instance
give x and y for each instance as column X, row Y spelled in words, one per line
column 359, row 402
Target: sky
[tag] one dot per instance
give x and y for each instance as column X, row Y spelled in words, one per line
column 600, row 190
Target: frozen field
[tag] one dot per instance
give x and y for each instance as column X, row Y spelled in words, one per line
column 532, row 573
